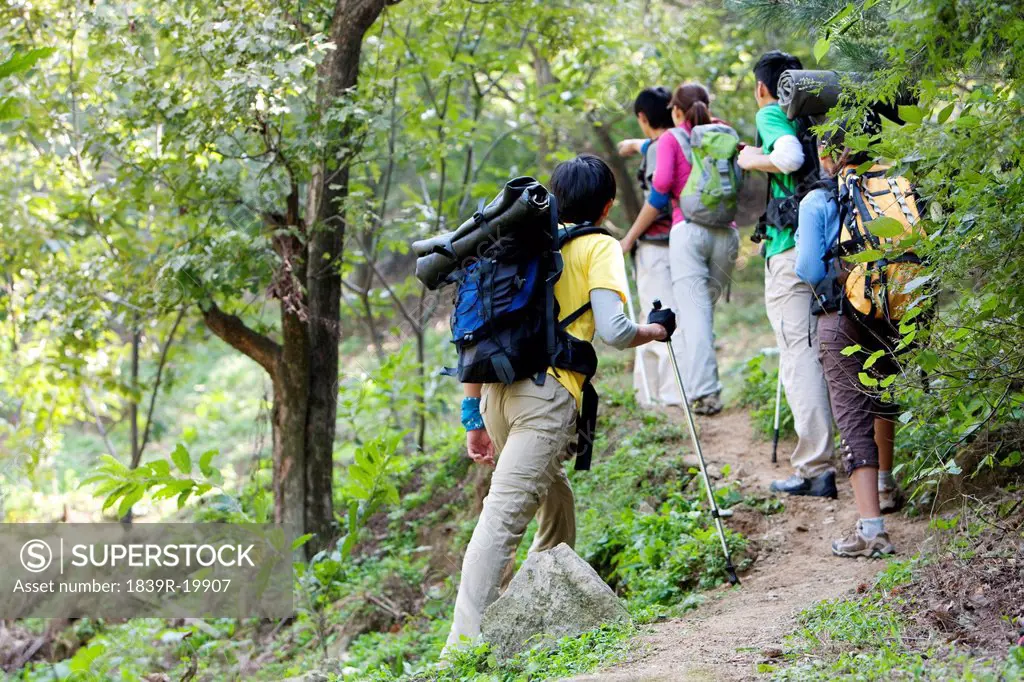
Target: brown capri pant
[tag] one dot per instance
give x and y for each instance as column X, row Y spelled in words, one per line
column 854, row 405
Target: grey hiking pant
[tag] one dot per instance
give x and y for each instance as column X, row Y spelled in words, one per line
column 702, row 260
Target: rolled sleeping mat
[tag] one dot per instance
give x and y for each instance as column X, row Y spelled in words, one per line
column 809, row 93
column 805, row 93
column 522, row 203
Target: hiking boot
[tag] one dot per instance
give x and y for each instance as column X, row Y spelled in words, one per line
column 890, row 500
column 708, row 405
column 858, row 545
column 819, row 486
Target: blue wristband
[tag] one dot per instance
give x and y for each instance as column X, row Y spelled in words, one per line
column 658, row 200
column 471, row 418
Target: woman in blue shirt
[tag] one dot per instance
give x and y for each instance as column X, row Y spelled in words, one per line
column 866, row 424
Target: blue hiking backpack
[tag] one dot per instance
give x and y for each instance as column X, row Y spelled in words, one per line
column 506, row 322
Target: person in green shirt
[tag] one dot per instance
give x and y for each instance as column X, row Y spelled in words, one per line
column 788, row 299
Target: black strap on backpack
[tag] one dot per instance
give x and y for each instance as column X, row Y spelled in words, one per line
column 582, row 359
column 586, row 427
column 551, row 343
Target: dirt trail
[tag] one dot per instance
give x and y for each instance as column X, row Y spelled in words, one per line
column 728, row 635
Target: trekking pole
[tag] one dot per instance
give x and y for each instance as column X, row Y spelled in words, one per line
column 778, row 404
column 639, row 350
column 715, row 513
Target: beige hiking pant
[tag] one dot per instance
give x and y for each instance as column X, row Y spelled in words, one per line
column 787, row 301
column 530, row 426
column 654, row 281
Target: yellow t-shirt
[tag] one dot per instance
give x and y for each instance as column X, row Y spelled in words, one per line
column 593, row 261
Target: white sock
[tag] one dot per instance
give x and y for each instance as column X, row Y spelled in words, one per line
column 870, row 528
column 885, row 480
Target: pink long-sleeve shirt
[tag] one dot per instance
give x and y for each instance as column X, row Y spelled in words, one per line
column 673, row 169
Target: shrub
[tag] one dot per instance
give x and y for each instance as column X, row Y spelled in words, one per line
column 758, row 393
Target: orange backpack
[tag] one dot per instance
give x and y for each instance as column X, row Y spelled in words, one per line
column 878, row 214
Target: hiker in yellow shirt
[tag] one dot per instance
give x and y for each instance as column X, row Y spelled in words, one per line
column 524, row 429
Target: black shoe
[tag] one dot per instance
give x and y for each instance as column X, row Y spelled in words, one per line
column 819, row 486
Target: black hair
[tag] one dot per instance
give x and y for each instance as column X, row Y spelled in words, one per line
column 770, row 67
column 653, row 103
column 583, row 187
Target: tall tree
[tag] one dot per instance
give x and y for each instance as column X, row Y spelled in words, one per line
column 304, row 366
column 203, row 155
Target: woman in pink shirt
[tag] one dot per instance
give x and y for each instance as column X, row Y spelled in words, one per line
column 701, row 258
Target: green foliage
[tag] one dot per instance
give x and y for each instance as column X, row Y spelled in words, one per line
column 862, row 638
column 758, row 394
column 958, row 147
column 161, row 479
column 856, row 623
column 661, row 557
column 889, row 661
column 125, row 652
column 369, row 484
column 409, row 651
column 569, row 656
column 766, row 505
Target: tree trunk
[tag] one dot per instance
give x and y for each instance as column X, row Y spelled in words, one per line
column 304, row 367
column 133, row 407
column 631, row 203
column 291, row 387
column 325, row 204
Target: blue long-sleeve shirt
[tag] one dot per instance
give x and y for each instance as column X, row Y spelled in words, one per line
column 819, row 229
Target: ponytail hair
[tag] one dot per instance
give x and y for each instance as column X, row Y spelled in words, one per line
column 695, row 103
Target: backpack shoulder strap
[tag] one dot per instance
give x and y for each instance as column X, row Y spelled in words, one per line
column 566, row 235
column 551, row 337
column 683, row 138
column 573, row 316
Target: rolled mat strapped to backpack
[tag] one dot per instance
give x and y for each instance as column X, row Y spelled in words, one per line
column 522, row 204
column 809, row 93
column 805, row 93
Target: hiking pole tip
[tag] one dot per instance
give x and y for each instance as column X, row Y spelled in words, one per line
column 778, row 406
column 733, row 578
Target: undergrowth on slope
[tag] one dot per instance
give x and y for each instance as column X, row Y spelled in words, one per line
column 906, row 627
column 568, row 656
column 383, row 611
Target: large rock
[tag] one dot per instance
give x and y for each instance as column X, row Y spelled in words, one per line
column 555, row 594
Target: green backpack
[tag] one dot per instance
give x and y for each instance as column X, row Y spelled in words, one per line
column 711, row 194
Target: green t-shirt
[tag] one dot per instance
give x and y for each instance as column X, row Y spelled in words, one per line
column 772, row 124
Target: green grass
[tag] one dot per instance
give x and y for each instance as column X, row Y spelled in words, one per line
column 569, row 656
column 862, row 639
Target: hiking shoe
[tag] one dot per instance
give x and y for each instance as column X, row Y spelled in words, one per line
column 858, row 545
column 891, row 500
column 819, row 486
column 708, row 405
